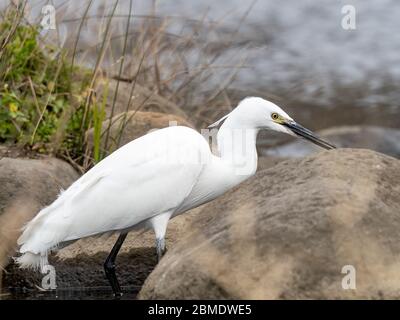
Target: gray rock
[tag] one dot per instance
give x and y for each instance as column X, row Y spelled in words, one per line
column 26, row 185
column 384, row 140
column 288, row 232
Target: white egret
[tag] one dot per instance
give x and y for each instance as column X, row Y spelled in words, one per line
column 152, row 179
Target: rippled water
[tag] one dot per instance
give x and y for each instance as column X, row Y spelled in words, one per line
column 295, row 49
column 300, row 47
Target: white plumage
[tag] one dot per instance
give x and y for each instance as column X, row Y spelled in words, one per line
column 129, row 187
column 153, row 178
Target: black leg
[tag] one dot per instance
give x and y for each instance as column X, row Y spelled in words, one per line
column 109, row 265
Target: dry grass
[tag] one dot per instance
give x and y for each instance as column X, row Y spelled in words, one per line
column 142, row 51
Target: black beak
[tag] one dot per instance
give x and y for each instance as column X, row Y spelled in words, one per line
column 307, row 134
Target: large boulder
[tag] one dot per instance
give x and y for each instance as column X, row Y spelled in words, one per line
column 288, row 233
column 26, row 185
column 128, row 126
column 384, row 140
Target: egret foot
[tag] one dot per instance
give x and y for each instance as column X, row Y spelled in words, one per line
column 109, row 266
column 161, row 248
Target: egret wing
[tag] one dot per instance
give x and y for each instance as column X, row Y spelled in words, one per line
column 146, row 177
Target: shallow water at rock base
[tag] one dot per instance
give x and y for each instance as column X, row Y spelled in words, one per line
column 84, row 293
column 81, row 277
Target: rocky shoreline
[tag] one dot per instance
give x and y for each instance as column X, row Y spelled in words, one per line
column 286, row 233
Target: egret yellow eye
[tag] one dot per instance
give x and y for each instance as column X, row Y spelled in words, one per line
column 274, row 116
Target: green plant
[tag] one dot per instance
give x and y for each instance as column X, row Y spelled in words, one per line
column 99, row 115
column 41, row 94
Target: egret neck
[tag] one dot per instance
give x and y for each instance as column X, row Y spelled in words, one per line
column 237, row 146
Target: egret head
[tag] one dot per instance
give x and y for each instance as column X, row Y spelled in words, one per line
column 258, row 113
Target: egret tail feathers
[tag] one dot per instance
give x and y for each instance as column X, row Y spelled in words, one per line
column 39, row 237
column 30, row 260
